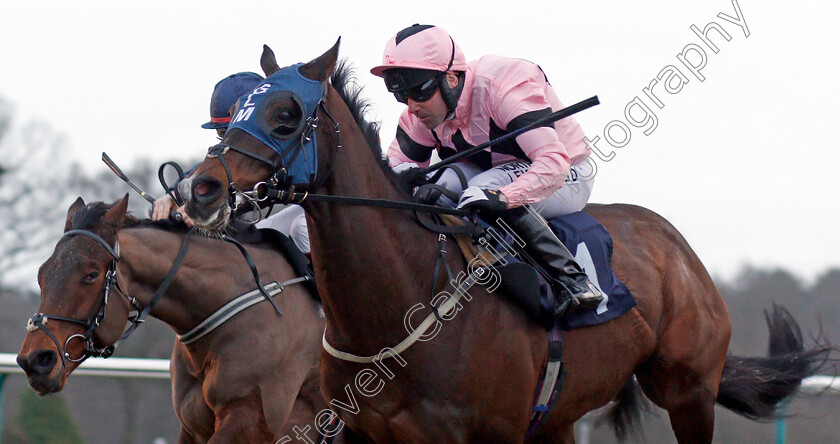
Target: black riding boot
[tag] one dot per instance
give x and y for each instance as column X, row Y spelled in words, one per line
column 571, row 286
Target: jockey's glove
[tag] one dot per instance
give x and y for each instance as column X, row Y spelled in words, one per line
column 489, row 201
column 412, row 177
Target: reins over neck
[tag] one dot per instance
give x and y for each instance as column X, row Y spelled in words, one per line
column 275, row 190
column 39, row 320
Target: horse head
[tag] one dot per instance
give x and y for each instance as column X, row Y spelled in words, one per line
column 77, row 284
column 279, row 137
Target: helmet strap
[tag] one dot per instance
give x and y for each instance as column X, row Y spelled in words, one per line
column 451, row 95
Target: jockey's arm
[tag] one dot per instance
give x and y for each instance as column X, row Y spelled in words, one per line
column 412, row 144
column 517, row 107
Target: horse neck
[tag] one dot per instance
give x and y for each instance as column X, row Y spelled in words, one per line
column 372, row 264
column 146, row 257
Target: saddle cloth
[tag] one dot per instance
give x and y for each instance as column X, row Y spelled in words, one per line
column 592, row 246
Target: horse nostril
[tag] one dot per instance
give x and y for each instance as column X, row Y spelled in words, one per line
column 22, row 363
column 206, row 191
column 39, row 363
column 44, row 361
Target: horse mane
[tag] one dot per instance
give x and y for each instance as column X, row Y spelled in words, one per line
column 163, row 224
column 91, row 214
column 344, row 81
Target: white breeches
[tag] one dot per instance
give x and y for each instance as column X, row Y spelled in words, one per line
column 292, row 222
column 571, row 197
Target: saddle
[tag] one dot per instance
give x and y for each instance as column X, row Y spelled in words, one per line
column 520, row 281
column 590, row 243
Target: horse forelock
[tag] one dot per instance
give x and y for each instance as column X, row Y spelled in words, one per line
column 89, row 216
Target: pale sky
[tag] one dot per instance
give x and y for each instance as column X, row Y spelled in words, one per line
column 742, row 163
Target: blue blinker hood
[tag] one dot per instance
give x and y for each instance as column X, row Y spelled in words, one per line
column 296, row 146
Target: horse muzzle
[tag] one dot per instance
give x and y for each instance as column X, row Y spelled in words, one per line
column 40, row 367
column 205, row 202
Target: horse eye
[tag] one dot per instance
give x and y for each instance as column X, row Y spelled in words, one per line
column 286, row 123
column 91, row 277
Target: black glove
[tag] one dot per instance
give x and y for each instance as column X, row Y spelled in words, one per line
column 475, row 198
column 412, row 178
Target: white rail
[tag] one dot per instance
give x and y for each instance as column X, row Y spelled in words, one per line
column 819, row 383
column 159, row 369
column 115, row 367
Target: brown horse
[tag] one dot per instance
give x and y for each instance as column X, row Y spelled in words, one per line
column 474, row 381
column 252, row 379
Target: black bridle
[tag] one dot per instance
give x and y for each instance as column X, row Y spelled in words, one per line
column 276, row 188
column 39, row 320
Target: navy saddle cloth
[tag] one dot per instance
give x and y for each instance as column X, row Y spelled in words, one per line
column 592, row 246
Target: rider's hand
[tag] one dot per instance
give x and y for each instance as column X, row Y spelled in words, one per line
column 184, row 218
column 491, row 201
column 162, row 207
column 411, row 175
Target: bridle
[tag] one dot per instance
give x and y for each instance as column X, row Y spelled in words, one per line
column 91, row 322
column 277, row 188
column 39, row 320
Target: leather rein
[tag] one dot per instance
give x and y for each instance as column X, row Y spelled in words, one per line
column 91, row 323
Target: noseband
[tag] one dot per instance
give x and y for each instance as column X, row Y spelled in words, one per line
column 92, row 322
column 39, row 320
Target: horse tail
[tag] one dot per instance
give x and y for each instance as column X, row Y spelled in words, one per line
column 626, row 414
column 753, row 387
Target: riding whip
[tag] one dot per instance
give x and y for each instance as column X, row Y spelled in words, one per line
column 113, row 166
column 553, row 117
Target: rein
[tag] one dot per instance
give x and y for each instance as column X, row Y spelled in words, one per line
column 273, row 190
column 39, row 320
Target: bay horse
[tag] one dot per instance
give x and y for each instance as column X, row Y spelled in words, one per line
column 252, row 379
column 473, row 380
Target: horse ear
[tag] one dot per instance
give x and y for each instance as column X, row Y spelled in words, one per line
column 268, row 62
column 321, row 68
column 77, row 205
column 116, row 215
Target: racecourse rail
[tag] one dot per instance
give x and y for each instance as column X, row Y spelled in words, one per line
column 159, row 369
column 116, row 367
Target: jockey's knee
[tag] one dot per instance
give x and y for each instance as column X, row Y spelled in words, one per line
column 449, row 180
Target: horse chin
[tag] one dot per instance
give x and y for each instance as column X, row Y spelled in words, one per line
column 216, row 221
column 46, row 384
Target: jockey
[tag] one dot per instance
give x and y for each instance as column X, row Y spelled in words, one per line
column 453, row 105
column 225, row 94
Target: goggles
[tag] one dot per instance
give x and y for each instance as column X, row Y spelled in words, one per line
column 418, row 85
column 419, row 93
